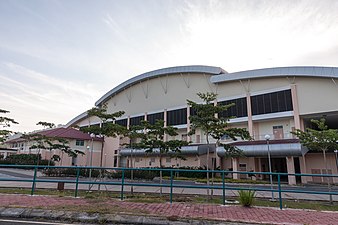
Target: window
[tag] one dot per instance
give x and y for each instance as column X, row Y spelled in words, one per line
column 122, row 122
column 177, row 117
column 152, row 159
column 155, row 116
column 238, row 110
column 135, row 121
column 79, row 143
column 280, row 101
column 74, row 161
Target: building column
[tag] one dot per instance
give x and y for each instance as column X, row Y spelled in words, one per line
column 295, row 106
column 249, row 111
column 165, row 124
column 235, row 169
column 303, row 169
column 188, row 124
column 290, row 164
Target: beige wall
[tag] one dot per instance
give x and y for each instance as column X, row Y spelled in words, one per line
column 316, row 95
column 133, row 100
column 266, row 127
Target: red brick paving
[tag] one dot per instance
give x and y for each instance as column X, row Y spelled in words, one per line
column 184, row 210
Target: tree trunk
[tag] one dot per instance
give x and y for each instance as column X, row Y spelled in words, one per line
column 327, row 172
column 161, row 175
column 208, row 154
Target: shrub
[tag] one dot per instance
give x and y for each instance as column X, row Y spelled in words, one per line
column 70, row 172
column 246, row 198
column 25, row 159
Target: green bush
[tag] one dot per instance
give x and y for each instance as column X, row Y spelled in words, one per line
column 70, row 172
column 25, row 159
column 246, row 198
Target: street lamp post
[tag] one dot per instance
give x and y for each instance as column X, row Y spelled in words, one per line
column 267, row 138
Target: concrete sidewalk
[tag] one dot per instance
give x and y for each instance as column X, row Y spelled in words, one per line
column 156, row 213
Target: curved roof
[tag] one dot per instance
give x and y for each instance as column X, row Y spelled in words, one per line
column 302, row 71
column 158, row 73
column 76, row 119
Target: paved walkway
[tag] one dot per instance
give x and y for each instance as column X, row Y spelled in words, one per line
column 183, row 210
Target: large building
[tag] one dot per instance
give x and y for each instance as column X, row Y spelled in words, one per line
column 273, row 101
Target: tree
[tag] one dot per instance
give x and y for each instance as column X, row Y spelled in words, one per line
column 46, row 124
column 208, row 118
column 5, row 122
column 153, row 141
column 108, row 128
column 320, row 139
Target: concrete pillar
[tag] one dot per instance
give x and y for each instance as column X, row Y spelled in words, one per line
column 165, row 124
column 303, row 169
column 248, row 106
column 188, row 124
column 290, row 164
column 295, row 106
column 235, row 169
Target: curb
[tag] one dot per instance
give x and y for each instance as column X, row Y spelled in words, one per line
column 29, row 213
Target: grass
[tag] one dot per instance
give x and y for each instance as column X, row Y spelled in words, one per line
column 96, row 200
column 219, row 180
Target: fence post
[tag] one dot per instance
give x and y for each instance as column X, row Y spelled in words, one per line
column 77, row 181
column 122, row 184
column 34, row 179
column 171, row 186
column 223, row 183
column 280, row 193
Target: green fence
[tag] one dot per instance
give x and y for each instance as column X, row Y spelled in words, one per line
column 123, row 181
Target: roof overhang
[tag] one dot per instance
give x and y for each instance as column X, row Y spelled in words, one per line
column 295, row 71
column 158, row 73
column 185, row 150
column 276, row 150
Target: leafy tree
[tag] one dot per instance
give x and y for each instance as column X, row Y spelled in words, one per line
column 46, row 124
column 208, row 118
column 108, row 127
column 43, row 142
column 320, row 139
column 5, row 122
column 153, row 141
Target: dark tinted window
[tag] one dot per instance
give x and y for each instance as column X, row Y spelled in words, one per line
column 134, row 121
column 280, row 101
column 155, row 116
column 177, row 117
column 238, row 110
column 122, row 122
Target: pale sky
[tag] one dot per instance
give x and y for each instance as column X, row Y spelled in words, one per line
column 57, row 57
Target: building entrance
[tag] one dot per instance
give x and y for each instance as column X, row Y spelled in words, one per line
column 278, row 165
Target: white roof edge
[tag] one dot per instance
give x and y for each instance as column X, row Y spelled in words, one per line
column 161, row 72
column 303, row 71
column 76, row 119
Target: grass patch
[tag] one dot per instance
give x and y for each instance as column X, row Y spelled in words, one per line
column 218, row 180
column 97, row 200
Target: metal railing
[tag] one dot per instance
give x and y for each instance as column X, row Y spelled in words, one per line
column 123, row 181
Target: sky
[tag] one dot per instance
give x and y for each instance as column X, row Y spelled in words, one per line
column 57, row 57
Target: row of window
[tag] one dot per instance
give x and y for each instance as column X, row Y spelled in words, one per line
column 280, row 101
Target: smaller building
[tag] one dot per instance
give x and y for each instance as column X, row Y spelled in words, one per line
column 4, row 152
column 90, row 145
